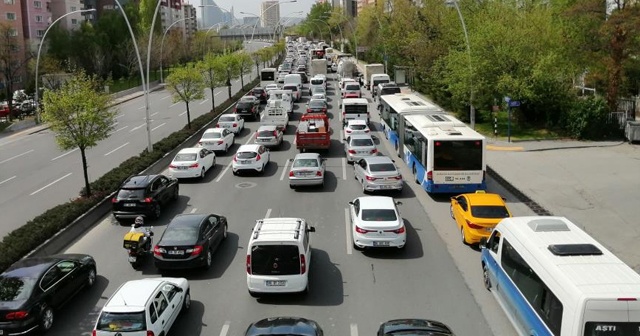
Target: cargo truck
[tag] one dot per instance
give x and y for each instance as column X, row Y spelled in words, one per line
column 313, row 132
column 318, row 67
column 371, row 69
column 346, row 68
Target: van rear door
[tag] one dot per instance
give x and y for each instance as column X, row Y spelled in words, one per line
column 612, row 317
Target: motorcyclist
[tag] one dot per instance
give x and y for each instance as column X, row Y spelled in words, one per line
column 137, row 228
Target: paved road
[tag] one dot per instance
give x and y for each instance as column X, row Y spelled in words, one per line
column 35, row 175
column 351, row 292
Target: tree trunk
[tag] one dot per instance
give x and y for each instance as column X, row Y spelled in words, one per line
column 188, row 116
column 229, row 84
column 258, row 68
column 242, row 79
column 87, row 186
column 213, row 101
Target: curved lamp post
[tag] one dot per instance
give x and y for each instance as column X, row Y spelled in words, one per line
column 341, row 35
column 472, row 111
column 384, row 45
column 40, row 49
column 282, row 24
column 162, row 43
column 328, row 25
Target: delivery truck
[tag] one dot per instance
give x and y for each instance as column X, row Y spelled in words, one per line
column 318, row 67
column 313, row 132
column 369, row 70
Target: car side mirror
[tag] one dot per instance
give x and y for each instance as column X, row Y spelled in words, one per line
column 351, row 202
column 179, row 289
column 398, row 203
column 311, row 229
column 483, row 242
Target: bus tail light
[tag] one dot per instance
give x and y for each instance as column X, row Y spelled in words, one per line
column 429, row 176
column 627, row 299
column 473, row 225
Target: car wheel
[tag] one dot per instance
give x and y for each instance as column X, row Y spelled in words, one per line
column 364, row 190
column 254, row 294
column 209, row 259
column 462, row 236
column 91, row 277
column 451, row 211
column 235, row 173
column 46, row 319
column 357, row 248
column 263, row 167
column 202, row 172
column 292, row 186
column 226, row 149
column 186, row 304
column 157, row 211
column 225, row 232
column 485, row 278
column 305, row 291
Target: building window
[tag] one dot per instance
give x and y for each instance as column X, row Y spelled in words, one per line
column 11, row 16
column 40, row 33
column 74, row 21
column 38, row 18
column 73, row 8
column 9, row 2
column 17, row 79
column 13, row 32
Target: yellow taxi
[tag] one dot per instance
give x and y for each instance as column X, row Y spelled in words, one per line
column 476, row 214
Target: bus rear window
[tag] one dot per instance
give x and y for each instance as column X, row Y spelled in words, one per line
column 457, row 155
column 268, row 75
column 355, row 109
column 612, row 329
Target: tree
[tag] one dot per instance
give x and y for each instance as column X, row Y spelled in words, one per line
column 257, row 57
column 244, row 63
column 186, row 84
column 212, row 71
column 13, row 60
column 231, row 70
column 80, row 115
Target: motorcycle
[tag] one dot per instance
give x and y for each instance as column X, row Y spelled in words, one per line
column 137, row 246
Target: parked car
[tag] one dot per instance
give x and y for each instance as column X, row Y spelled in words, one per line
column 376, row 222
column 268, row 136
column 250, row 157
column 356, row 126
column 476, row 214
column 231, row 122
column 377, row 173
column 259, row 93
column 192, row 162
column 358, row 146
column 217, row 139
column 402, row 327
column 189, row 241
column 307, row 169
column 144, row 195
column 284, row 326
column 316, row 106
column 33, row 289
column 248, row 106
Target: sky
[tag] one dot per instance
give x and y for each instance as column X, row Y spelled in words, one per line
column 253, row 6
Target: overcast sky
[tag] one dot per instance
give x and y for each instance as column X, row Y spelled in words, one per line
column 253, row 6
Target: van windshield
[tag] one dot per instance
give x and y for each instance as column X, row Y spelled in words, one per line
column 275, row 260
column 122, row 322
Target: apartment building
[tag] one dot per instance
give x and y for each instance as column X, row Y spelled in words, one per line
column 13, row 56
column 170, row 12
column 270, row 11
column 36, row 16
column 191, row 22
column 62, row 7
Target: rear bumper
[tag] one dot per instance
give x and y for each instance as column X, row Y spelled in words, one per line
column 298, row 181
column 120, row 214
column 19, row 328
column 370, row 186
column 196, row 262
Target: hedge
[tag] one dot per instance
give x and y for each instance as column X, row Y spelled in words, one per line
column 21, row 241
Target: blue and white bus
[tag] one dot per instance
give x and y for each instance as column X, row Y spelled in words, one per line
column 552, row 278
column 392, row 106
column 444, row 154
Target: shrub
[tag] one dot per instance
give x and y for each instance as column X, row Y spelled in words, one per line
column 589, row 119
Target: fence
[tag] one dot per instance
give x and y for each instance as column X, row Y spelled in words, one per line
column 626, row 111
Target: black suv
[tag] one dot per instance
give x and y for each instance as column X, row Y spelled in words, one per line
column 259, row 93
column 144, row 195
column 284, row 326
column 248, row 106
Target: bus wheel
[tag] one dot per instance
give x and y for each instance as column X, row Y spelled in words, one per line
column 485, row 278
column 415, row 174
column 397, row 152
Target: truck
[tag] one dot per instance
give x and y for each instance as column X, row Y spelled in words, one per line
column 275, row 114
column 318, row 67
column 372, row 69
column 313, row 132
column 347, row 68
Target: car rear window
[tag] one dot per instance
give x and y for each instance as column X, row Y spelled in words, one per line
column 290, row 87
column 301, row 163
column 137, row 193
column 212, row 135
column 265, row 134
column 275, row 260
column 489, row 211
column 379, row 215
column 176, row 235
column 317, row 82
column 16, row 288
column 361, row 142
column 317, row 104
column 122, row 322
column 354, row 87
column 186, row 157
column 382, row 167
column 258, row 91
column 227, row 119
column 357, row 127
column 244, row 105
column 246, row 155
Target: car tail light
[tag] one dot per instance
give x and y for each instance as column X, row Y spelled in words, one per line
column 348, row 131
column 324, row 110
column 291, row 173
column 235, row 125
column 17, row 315
column 114, row 200
column 351, row 151
column 150, row 333
column 157, row 250
column 195, row 165
column 173, row 166
column 366, row 131
column 373, row 151
column 148, row 200
column 258, row 157
column 472, row 225
column 235, row 159
column 93, row 333
column 400, row 230
column 303, row 264
column 361, row 230
column 196, row 250
column 318, row 173
column 218, row 125
column 308, row 110
column 429, row 176
column 399, row 177
column 370, row 178
column 275, row 134
column 220, row 142
column 248, row 264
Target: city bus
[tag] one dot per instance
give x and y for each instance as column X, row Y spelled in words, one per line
column 552, row 278
column 444, row 154
column 394, row 105
column 268, row 75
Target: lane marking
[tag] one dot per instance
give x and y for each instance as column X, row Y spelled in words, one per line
column 219, row 92
column 48, row 185
column 284, row 170
column 347, row 224
column 183, row 113
column 344, row 169
column 118, row 130
column 9, row 179
column 137, row 128
column 141, row 107
column 174, row 104
column 120, row 115
column 225, row 328
column 230, row 163
column 116, row 149
column 155, row 128
column 194, row 210
column 65, row 154
column 152, row 114
column 16, row 156
column 204, row 101
column 165, row 97
column 268, row 213
column 354, row 329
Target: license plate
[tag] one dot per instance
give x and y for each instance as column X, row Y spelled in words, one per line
column 176, row 252
column 264, row 140
column 276, row 283
column 226, row 126
column 131, row 259
column 380, row 243
column 245, row 161
column 126, row 205
column 182, row 168
column 385, row 187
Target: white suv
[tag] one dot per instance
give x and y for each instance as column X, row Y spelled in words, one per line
column 144, row 307
column 279, row 256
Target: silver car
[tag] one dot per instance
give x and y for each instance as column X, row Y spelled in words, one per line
column 307, row 169
column 359, row 146
column 268, row 136
column 377, row 173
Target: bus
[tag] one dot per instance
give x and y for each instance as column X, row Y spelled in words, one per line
column 392, row 106
column 268, row 75
column 552, row 278
column 444, row 154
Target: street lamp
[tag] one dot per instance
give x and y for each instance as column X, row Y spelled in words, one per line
column 355, row 38
column 341, row 35
column 384, row 45
column 328, row 25
column 162, row 44
column 280, row 24
column 40, row 49
column 472, row 111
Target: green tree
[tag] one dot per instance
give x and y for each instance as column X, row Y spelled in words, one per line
column 186, row 84
column 231, row 69
column 80, row 115
column 212, row 71
column 13, row 60
column 244, row 63
column 257, row 58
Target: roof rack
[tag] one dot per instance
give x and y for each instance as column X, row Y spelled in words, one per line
column 258, row 229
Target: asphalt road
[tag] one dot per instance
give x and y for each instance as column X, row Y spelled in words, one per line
column 36, row 175
column 351, row 292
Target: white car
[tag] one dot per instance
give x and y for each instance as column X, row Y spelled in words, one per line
column 217, row 139
column 144, row 307
column 270, row 87
column 320, row 96
column 250, row 157
column 232, row 122
column 376, row 222
column 192, row 162
column 355, row 126
column 307, row 169
column 359, row 146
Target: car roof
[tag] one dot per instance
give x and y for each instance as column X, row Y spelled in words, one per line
column 283, row 326
column 230, row 115
column 307, row 156
column 188, row 219
column 133, row 295
column 249, row 148
column 245, row 98
column 214, row 130
column 377, row 202
column 190, row 150
column 36, row 266
column 276, row 229
column 315, row 100
column 360, row 136
column 378, row 159
column 138, row 181
column 485, row 199
column 267, row 128
column 415, row 324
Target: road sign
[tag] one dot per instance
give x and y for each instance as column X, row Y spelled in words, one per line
column 507, row 99
column 514, row 103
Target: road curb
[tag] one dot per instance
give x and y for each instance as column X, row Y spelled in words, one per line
column 521, row 196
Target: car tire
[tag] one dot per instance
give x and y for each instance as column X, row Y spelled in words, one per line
column 226, row 149
column 263, row 169
column 254, row 294
column 91, row 277
column 209, row 259
column 225, row 232
column 186, row 303
column 157, row 211
column 291, row 186
column 451, row 212
column 235, row 173
column 364, row 190
column 463, row 238
column 485, row 278
column 46, row 319
column 357, row 248
column 202, row 173
column 305, row 292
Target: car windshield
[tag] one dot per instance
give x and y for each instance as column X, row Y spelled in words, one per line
column 317, row 82
column 357, row 127
column 382, row 167
column 275, row 260
column 227, row 119
column 290, row 87
column 180, row 234
column 212, row 135
column 301, row 163
column 258, row 91
column 186, row 157
column 379, row 215
column 317, row 104
column 489, row 211
column 361, row 142
column 393, row 90
column 137, row 193
column 122, row 322
column 16, row 288
column 246, row 155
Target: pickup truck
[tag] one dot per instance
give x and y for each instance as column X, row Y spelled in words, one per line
column 313, row 132
column 275, row 114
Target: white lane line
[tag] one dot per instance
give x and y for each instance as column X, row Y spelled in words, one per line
column 48, row 185
column 174, row 104
column 284, row 170
column 344, row 168
column 118, row 130
column 116, row 149
column 225, row 328
column 137, row 128
column 141, row 107
column 155, row 128
column 204, row 101
column 120, row 115
column 16, row 156
column 183, row 113
column 194, row 210
column 217, row 93
column 65, row 154
column 9, row 179
column 354, row 329
column 165, row 97
column 268, row 213
column 347, row 224
column 152, row 114
column 230, row 163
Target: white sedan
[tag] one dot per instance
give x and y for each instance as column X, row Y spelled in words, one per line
column 355, row 126
column 217, row 139
column 307, row 169
column 250, row 157
column 192, row 162
column 232, row 122
column 376, row 222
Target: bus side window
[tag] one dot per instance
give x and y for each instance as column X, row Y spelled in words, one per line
column 494, row 241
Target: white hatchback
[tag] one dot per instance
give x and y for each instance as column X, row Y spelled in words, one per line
column 355, row 126
column 376, row 222
column 217, row 139
column 192, row 162
column 250, row 157
column 232, row 122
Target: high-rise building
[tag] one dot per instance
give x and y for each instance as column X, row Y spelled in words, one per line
column 12, row 46
column 62, row 7
column 170, row 12
column 36, row 17
column 350, row 7
column 270, row 13
column 212, row 14
column 190, row 23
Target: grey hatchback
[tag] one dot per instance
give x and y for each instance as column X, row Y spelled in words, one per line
column 268, row 136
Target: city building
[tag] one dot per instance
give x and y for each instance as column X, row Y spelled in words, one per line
column 350, row 7
column 36, row 16
column 62, row 7
column 212, row 14
column 250, row 20
column 12, row 48
column 170, row 12
column 270, row 13
column 191, row 22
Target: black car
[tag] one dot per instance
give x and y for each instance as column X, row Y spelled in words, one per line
column 316, row 106
column 248, row 106
column 32, row 289
column 144, row 195
column 284, row 326
column 414, row 327
column 259, row 93
column 305, row 78
column 189, row 241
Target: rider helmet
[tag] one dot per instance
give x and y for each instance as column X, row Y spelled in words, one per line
column 139, row 221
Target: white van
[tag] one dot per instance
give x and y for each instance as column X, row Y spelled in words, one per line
column 279, row 256
column 286, row 96
column 355, row 109
column 294, row 79
column 296, row 91
column 378, row 79
column 317, row 82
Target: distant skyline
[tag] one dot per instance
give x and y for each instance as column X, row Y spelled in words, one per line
column 253, row 6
